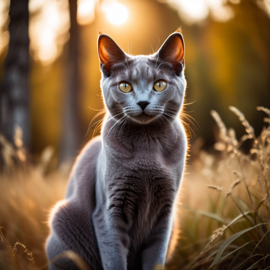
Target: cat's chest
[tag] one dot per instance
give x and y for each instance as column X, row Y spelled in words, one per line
column 142, row 188
column 147, row 169
column 140, row 196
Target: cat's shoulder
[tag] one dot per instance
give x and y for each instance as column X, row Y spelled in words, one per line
column 82, row 176
column 88, row 155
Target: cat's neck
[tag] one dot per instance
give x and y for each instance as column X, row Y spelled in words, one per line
column 141, row 135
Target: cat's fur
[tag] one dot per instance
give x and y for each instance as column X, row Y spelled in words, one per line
column 118, row 210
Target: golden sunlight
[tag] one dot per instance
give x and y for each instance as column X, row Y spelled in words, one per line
column 116, row 13
column 4, row 34
column 198, row 10
column 48, row 29
column 86, row 11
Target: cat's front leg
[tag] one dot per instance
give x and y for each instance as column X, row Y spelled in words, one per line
column 154, row 252
column 113, row 241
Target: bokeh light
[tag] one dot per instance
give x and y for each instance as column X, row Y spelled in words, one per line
column 115, row 12
column 48, row 29
column 4, row 34
column 198, row 10
column 86, row 11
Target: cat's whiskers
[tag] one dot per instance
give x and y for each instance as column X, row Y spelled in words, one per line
column 122, row 125
column 91, row 125
column 163, row 121
column 102, row 111
column 189, row 118
column 103, row 121
column 98, row 126
column 153, row 51
column 128, row 108
column 119, row 121
column 188, row 123
column 175, row 132
column 98, row 122
column 159, row 109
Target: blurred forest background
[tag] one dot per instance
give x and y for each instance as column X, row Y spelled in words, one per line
column 50, row 86
column 50, row 92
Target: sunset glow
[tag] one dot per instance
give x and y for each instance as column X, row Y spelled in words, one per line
column 86, row 11
column 48, row 30
column 198, row 10
column 116, row 13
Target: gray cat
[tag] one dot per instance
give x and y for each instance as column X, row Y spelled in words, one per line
column 118, row 210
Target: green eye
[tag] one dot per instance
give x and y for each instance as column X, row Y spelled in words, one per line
column 160, row 86
column 125, row 87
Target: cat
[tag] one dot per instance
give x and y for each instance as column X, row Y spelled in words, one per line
column 119, row 205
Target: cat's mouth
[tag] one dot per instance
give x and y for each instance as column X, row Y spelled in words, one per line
column 144, row 118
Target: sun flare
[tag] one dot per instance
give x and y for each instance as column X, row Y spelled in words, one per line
column 116, row 13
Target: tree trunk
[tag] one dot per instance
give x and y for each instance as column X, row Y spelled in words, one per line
column 72, row 135
column 14, row 91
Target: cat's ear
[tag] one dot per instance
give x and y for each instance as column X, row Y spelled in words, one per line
column 109, row 53
column 173, row 51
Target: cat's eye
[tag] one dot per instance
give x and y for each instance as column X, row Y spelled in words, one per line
column 125, row 87
column 160, row 86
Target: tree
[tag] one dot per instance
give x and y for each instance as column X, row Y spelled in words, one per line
column 14, row 90
column 71, row 133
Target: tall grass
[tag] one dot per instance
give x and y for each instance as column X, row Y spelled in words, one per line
column 26, row 195
column 232, row 231
column 224, row 212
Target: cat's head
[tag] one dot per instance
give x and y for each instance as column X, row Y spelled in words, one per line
column 143, row 88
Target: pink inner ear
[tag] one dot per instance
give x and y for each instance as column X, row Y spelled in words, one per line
column 104, row 56
column 109, row 51
column 103, row 52
column 179, row 51
column 173, row 49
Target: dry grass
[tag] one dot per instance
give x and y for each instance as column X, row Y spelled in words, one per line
column 26, row 197
column 225, row 205
column 228, row 225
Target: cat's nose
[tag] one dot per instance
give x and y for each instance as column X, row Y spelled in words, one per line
column 143, row 104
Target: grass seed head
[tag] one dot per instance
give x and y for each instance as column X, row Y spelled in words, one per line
column 263, row 109
column 215, row 187
column 232, row 136
column 243, row 139
column 29, row 253
column 217, row 233
column 238, row 175
column 243, row 120
column 220, row 146
column 221, row 126
column 233, row 185
column 266, row 120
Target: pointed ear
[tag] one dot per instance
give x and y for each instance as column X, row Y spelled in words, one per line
column 173, row 51
column 109, row 52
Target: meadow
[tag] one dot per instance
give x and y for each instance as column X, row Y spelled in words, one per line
column 224, row 204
